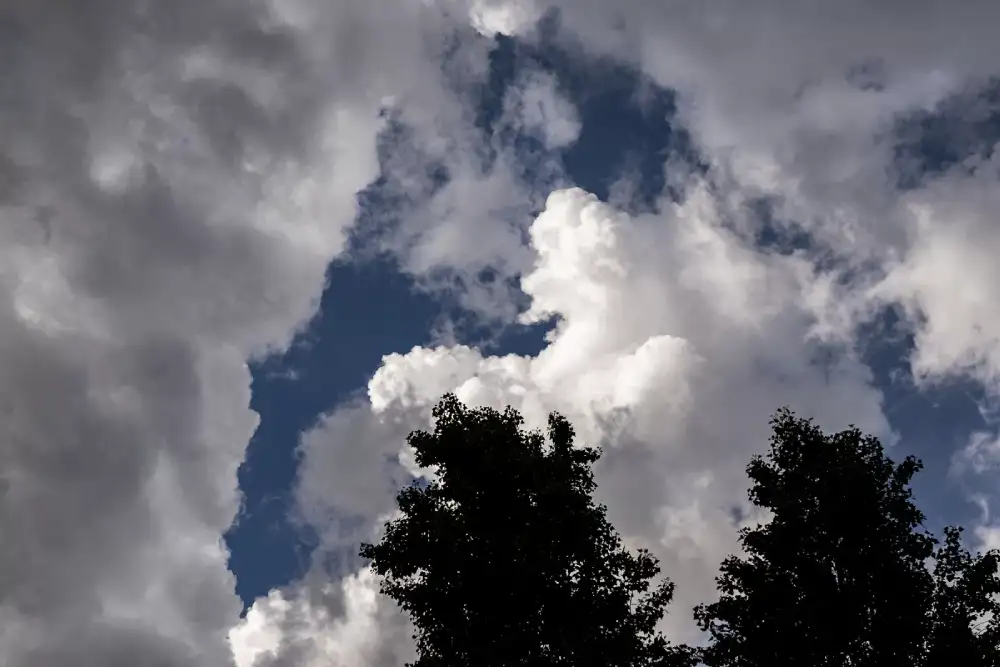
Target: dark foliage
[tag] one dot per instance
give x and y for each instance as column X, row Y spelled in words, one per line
column 965, row 628
column 506, row 561
column 838, row 577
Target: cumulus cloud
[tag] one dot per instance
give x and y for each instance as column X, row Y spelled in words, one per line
column 665, row 322
column 801, row 106
column 827, row 148
column 802, row 109
column 302, row 632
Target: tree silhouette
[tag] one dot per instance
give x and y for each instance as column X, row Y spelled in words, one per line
column 839, row 575
column 966, row 615
column 505, row 560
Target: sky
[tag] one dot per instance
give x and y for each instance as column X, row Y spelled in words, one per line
column 246, row 245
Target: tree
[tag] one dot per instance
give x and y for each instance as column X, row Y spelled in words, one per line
column 505, row 560
column 965, row 626
column 839, row 575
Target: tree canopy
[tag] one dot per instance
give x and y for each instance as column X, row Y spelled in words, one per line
column 839, row 576
column 504, row 559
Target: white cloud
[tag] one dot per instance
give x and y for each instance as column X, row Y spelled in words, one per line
column 675, row 342
column 774, row 100
column 666, row 322
column 301, row 632
column 947, row 278
column 473, row 222
column 506, row 18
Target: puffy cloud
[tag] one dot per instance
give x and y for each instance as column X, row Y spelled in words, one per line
column 808, row 107
column 301, row 632
column 674, row 341
column 810, row 111
column 802, row 106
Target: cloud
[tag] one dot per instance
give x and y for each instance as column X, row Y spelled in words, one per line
column 505, row 18
column 980, row 455
column 335, row 616
column 947, row 279
column 468, row 190
column 801, row 107
column 812, row 109
column 807, row 114
column 350, row 476
column 536, row 106
column 175, row 181
column 779, row 109
column 279, row 632
column 666, row 322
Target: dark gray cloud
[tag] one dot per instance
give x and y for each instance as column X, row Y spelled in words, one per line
column 174, row 179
